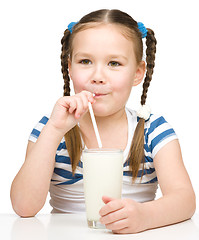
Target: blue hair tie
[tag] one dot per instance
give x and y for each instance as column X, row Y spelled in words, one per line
column 142, row 29
column 71, row 25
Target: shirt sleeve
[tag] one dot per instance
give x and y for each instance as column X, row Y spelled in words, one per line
column 159, row 133
column 37, row 129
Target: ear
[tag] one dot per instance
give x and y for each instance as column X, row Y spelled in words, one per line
column 69, row 68
column 139, row 74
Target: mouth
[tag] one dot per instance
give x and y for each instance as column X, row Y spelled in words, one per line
column 99, row 95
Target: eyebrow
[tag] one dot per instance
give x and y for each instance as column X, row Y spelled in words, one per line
column 118, row 56
column 114, row 56
column 82, row 54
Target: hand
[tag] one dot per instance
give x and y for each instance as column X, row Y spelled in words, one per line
column 69, row 109
column 122, row 215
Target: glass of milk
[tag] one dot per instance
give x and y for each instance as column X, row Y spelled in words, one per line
column 102, row 175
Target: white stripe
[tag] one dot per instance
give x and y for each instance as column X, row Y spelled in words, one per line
column 56, row 177
column 147, row 165
column 163, row 143
column 63, row 166
column 158, row 130
column 32, row 138
column 39, row 126
column 62, row 152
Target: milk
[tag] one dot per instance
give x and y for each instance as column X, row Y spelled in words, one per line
column 102, row 175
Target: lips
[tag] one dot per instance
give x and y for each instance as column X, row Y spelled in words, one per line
column 98, row 95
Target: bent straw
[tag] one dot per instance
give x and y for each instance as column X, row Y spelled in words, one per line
column 95, row 125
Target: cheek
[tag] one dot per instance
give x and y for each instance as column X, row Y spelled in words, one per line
column 122, row 83
column 79, row 81
column 122, row 87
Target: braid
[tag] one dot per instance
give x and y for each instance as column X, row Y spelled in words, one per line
column 64, row 62
column 150, row 59
column 72, row 137
column 136, row 154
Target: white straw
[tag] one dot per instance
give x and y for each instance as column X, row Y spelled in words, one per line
column 95, row 125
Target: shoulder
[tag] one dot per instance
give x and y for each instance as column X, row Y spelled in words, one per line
column 157, row 132
column 155, row 121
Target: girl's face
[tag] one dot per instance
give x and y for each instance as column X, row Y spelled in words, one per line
column 103, row 62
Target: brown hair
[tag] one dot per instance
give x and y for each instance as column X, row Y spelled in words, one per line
column 130, row 30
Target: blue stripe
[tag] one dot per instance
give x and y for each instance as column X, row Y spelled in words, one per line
column 146, row 171
column 61, row 146
column 161, row 137
column 159, row 121
column 126, row 163
column 44, row 120
column 146, row 147
column 147, row 159
column 127, row 173
column 69, row 182
column 80, row 164
column 67, row 174
column 151, row 181
column 35, row 133
column 66, row 160
column 62, row 159
column 140, row 172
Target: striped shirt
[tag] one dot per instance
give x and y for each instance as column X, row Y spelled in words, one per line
column 66, row 190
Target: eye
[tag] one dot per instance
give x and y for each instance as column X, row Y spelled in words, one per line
column 114, row 64
column 85, row 61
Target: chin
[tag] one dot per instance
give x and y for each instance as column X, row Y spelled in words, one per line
column 104, row 111
column 100, row 111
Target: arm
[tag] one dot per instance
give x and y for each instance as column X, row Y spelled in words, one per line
column 30, row 186
column 177, row 203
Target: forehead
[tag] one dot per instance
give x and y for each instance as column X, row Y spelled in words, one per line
column 102, row 38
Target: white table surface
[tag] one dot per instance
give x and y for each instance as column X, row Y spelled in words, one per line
column 74, row 227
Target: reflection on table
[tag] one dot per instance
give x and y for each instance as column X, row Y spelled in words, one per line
column 74, row 226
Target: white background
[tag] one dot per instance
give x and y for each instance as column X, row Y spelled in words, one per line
column 31, row 79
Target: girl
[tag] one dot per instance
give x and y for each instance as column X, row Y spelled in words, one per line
column 102, row 55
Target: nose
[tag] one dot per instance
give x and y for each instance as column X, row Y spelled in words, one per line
column 98, row 76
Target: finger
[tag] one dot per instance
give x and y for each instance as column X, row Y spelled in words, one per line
column 114, row 216
column 121, row 231
column 106, row 199
column 111, row 206
column 89, row 96
column 72, row 105
column 79, row 107
column 85, row 101
column 118, row 225
column 64, row 102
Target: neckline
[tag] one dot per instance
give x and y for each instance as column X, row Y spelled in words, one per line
column 129, row 138
column 130, row 135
